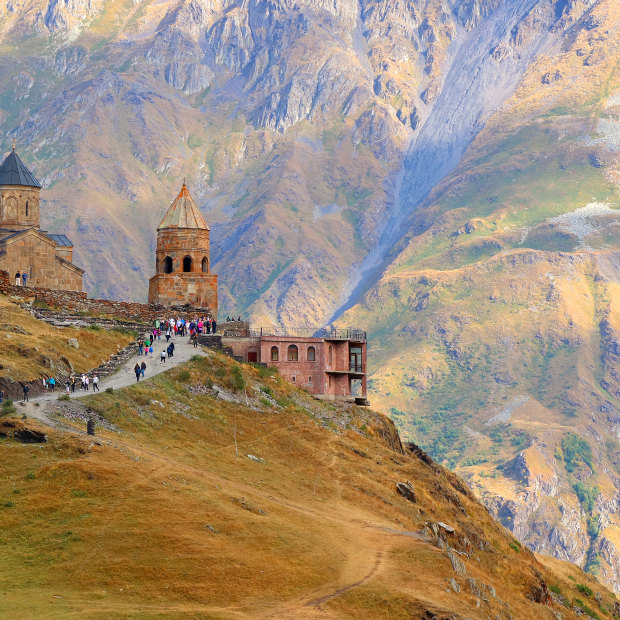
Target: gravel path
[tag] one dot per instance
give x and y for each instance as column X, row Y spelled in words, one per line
column 124, row 376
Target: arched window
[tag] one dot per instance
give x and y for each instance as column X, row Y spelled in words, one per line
column 167, row 264
column 293, row 353
column 187, row 264
column 275, row 354
column 205, row 265
column 157, row 265
column 311, row 354
column 330, row 355
column 26, row 208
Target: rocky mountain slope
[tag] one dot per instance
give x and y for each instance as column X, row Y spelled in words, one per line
column 443, row 173
column 220, row 490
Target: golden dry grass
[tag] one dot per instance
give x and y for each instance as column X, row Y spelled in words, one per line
column 37, row 352
column 164, row 521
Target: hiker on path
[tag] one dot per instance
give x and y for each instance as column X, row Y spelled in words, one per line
column 87, row 382
column 194, row 339
column 142, row 368
column 138, row 371
column 162, row 357
column 140, row 346
column 214, row 326
column 67, row 386
column 18, row 279
column 83, row 380
column 168, row 334
column 52, row 383
column 26, row 389
column 24, row 278
column 73, row 382
column 95, row 383
column 1, row 396
column 172, row 349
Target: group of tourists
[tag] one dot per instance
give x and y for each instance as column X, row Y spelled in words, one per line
column 83, row 382
column 139, row 369
column 21, row 279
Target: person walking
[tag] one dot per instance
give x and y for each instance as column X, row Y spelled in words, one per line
column 95, row 383
column 169, row 349
column 162, row 358
column 214, row 326
column 26, row 390
column 138, row 371
column 172, row 349
column 168, row 334
column 67, row 386
column 87, row 381
column 1, row 396
column 18, row 278
column 194, row 339
column 73, row 382
column 142, row 368
column 24, row 278
column 83, row 380
column 140, row 346
column 52, row 383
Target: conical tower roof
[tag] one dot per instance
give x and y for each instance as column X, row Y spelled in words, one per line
column 183, row 213
column 14, row 172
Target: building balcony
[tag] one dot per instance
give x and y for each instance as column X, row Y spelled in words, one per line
column 352, row 369
column 349, row 333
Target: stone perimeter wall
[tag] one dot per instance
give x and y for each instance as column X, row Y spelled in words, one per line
column 78, row 302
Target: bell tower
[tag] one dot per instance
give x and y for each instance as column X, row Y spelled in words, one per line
column 19, row 194
column 182, row 261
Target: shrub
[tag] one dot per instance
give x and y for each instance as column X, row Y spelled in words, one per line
column 30, row 476
column 576, row 450
column 95, row 327
column 587, row 495
column 267, row 390
column 237, row 379
column 515, row 547
column 7, row 407
column 109, row 390
column 64, row 397
column 584, row 589
column 587, row 609
column 265, row 402
column 78, row 493
column 184, row 375
column 8, row 504
column 196, row 358
column 555, row 589
column 594, row 526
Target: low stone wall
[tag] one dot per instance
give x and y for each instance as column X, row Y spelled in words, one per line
column 76, row 303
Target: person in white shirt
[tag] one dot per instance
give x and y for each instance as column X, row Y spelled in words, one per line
column 95, row 383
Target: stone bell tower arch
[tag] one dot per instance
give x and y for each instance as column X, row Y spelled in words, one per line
column 182, row 262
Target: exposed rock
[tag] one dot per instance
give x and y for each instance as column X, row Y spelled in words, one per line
column 73, row 342
column 406, row 490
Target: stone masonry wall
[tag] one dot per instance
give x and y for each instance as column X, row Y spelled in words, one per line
column 72, row 302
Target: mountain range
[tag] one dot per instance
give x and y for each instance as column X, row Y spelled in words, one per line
column 443, row 173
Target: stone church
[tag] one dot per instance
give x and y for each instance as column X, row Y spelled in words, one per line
column 24, row 247
column 183, row 264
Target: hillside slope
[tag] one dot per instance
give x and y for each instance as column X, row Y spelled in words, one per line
column 268, row 504
column 498, row 315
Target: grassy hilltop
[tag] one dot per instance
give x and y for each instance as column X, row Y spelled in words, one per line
column 264, row 504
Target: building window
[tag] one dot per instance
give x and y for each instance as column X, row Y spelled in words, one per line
column 187, row 264
column 311, row 354
column 309, row 379
column 329, row 381
column 294, row 381
column 275, row 354
column 293, row 353
column 330, row 355
column 167, row 264
column 205, row 265
column 26, row 208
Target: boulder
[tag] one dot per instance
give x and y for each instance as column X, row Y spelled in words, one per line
column 73, row 342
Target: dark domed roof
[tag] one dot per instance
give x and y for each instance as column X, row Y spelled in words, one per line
column 14, row 172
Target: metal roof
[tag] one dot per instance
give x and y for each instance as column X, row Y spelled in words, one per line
column 14, row 172
column 61, row 240
column 183, row 213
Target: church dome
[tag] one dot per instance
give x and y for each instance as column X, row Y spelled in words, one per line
column 13, row 171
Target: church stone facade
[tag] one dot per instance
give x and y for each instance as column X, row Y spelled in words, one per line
column 45, row 257
column 182, row 263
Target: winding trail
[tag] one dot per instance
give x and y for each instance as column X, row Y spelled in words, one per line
column 123, row 377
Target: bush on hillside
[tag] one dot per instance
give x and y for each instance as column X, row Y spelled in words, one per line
column 576, row 450
column 237, row 379
column 587, row 495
